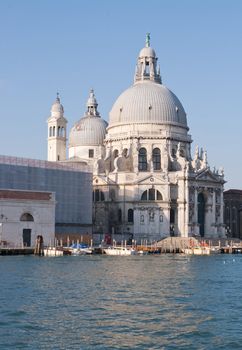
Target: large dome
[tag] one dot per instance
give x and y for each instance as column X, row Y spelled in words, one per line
column 147, row 102
column 90, row 130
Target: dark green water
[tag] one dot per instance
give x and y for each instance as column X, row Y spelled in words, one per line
column 101, row 302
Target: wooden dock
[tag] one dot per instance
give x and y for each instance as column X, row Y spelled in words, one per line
column 16, row 251
column 231, row 250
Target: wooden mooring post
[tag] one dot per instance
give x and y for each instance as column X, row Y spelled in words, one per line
column 39, row 246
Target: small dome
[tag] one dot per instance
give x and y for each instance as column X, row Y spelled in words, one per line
column 57, row 111
column 57, row 106
column 147, row 102
column 88, row 131
column 91, row 129
column 147, row 52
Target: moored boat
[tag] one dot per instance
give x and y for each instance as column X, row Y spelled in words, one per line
column 119, row 251
column 56, row 251
column 80, row 249
column 197, row 251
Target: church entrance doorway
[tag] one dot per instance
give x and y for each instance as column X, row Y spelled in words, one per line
column 201, row 213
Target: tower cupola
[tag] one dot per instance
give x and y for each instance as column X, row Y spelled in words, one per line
column 147, row 68
column 92, row 105
column 57, row 109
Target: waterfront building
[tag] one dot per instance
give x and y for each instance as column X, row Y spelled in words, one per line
column 146, row 183
column 70, row 186
column 25, row 215
column 233, row 213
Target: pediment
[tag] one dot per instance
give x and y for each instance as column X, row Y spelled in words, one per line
column 206, row 175
column 151, row 179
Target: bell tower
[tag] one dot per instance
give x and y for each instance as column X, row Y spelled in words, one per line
column 57, row 132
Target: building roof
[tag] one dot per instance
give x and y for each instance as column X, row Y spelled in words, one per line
column 148, row 102
column 25, row 195
column 233, row 191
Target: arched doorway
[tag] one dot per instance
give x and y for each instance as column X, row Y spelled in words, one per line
column 201, row 213
column 27, row 231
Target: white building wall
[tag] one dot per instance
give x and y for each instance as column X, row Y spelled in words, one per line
column 11, row 228
column 82, row 152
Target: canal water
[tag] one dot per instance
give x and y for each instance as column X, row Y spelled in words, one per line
column 136, row 302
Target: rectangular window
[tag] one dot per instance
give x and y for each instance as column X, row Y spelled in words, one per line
column 91, row 153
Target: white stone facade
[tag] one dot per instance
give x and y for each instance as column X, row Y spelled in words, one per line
column 146, row 184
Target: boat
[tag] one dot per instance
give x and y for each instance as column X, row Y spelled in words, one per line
column 119, row 251
column 197, row 251
column 80, row 249
column 56, row 251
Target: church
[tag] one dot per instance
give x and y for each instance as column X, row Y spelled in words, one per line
column 146, row 183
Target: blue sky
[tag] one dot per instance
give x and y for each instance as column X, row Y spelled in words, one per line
column 72, row 46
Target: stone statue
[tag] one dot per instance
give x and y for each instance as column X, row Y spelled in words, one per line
column 147, row 40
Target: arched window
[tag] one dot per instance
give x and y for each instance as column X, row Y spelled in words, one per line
column 158, row 196
column 142, row 159
column 59, row 131
column 151, row 195
column 26, row 217
column 50, row 131
column 130, row 215
column 156, row 159
column 147, row 68
column 144, row 196
column 98, row 196
column 53, row 134
column 63, row 131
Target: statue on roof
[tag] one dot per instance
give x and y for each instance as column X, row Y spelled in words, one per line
column 147, row 40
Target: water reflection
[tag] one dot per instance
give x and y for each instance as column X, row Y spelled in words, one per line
column 98, row 302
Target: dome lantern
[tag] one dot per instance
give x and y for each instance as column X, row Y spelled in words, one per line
column 92, row 104
column 146, row 68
